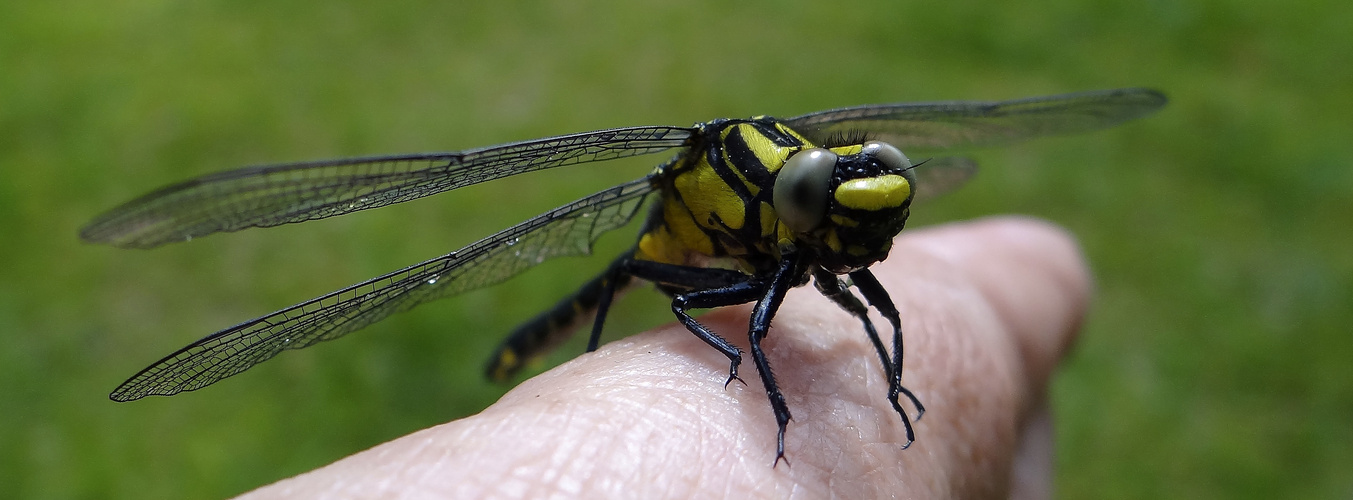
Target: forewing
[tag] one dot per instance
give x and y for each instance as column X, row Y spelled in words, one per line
column 279, row 194
column 938, row 176
column 568, row 230
column 920, row 128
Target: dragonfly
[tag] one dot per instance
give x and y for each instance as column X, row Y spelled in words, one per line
column 742, row 212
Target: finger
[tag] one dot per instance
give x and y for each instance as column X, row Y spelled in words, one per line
column 648, row 416
column 1000, row 299
column 1031, row 473
column 1040, row 285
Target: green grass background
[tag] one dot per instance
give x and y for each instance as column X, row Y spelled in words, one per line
column 1217, row 362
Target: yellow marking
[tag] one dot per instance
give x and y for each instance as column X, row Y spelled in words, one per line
column 683, row 233
column 706, row 195
column 649, row 247
column 783, row 233
column 848, row 150
column 833, row 240
column 660, row 246
column 857, row 250
column 748, row 133
column 499, row 374
column 737, row 172
column 873, row 193
column 507, row 360
column 768, row 219
column 767, row 152
column 578, row 308
column 782, row 128
column 844, row 221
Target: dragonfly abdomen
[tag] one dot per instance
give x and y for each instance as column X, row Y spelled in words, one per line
column 535, row 338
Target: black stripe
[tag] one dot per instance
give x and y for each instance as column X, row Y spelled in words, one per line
column 714, row 157
column 746, row 160
column 751, row 166
column 768, row 129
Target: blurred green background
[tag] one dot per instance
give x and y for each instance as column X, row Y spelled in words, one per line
column 1217, row 363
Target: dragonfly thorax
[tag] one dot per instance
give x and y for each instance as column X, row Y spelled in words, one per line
column 748, row 187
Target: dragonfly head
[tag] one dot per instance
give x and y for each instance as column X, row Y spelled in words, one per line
column 845, row 204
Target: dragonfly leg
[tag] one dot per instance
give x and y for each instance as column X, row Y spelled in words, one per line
column 786, row 277
column 877, row 296
column 831, row 287
column 713, row 288
column 615, row 276
column 728, row 290
column 539, row 335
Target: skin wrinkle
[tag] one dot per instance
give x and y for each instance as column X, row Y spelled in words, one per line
column 657, row 399
column 685, row 413
column 835, row 379
column 968, row 409
column 423, row 447
column 1071, row 288
column 834, row 373
column 736, row 465
column 1069, row 285
column 551, row 414
column 645, row 403
column 959, row 353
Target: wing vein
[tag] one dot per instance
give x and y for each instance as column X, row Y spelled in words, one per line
column 279, row 194
column 567, row 230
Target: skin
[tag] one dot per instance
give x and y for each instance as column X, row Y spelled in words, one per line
column 989, row 308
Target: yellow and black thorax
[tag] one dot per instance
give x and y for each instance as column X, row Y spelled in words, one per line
column 719, row 202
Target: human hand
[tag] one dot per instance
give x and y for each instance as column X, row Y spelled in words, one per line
column 988, row 309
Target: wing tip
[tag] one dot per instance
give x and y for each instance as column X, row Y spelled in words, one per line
column 120, row 396
column 132, row 390
column 1145, row 100
column 122, row 234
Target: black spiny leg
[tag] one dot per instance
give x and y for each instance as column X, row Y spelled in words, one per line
column 878, row 297
column 720, row 287
column 713, row 288
column 608, row 284
column 831, row 287
column 540, row 334
column 785, row 278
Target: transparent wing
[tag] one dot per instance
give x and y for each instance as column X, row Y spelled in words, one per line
column 921, row 128
column 568, row 230
column 938, row 176
column 279, row 194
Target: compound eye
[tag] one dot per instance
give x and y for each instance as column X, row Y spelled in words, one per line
column 802, row 189
column 888, row 155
